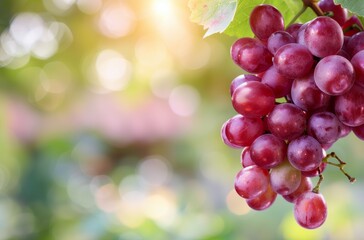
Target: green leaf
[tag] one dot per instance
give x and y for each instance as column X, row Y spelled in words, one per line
column 239, row 27
column 214, row 15
column 354, row 6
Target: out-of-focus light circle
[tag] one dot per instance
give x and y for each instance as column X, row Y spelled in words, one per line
column 162, row 82
column 131, row 209
column 116, row 20
column 10, row 46
column 59, row 7
column 154, row 170
column 113, row 70
column 161, row 207
column 89, row 6
column 236, row 204
column 27, row 29
column 184, row 100
column 46, row 47
column 79, row 191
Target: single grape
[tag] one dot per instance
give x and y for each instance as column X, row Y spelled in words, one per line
column 334, row 75
column 251, row 55
column 358, row 64
column 324, row 127
column 245, row 158
column 305, row 186
column 359, row 132
column 253, row 99
column 310, row 210
column 268, row 151
column 280, row 85
column 279, row 39
column 356, row 43
column 337, row 12
column 293, row 29
column 305, row 153
column 287, row 121
column 284, row 178
column 242, row 79
column 306, row 95
column 263, row 201
column 349, row 107
column 240, row 131
column 323, row 36
column 265, row 20
column 300, row 38
column 293, row 60
column 343, row 130
column 251, row 181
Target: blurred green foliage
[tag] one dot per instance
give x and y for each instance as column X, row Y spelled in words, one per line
column 110, row 129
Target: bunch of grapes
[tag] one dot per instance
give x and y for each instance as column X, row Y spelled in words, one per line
column 304, row 91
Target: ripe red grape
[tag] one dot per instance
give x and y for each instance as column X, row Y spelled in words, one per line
column 268, row 151
column 305, row 153
column 251, row 181
column 240, row 131
column 293, row 60
column 323, row 37
column 265, row 20
column 310, row 210
column 334, row 75
column 263, row 201
column 284, row 178
column 253, row 99
column 287, row 121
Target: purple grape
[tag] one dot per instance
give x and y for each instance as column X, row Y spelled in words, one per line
column 310, row 210
column 356, row 43
column 306, row 95
column 280, row 85
column 240, row 131
column 251, row 55
column 323, row 36
column 251, row 181
column 287, row 121
column 358, row 64
column 293, row 60
column 253, row 99
column 279, row 39
column 263, row 201
column 284, row 178
column 359, row 132
column 245, row 158
column 334, row 75
column 349, row 107
column 324, row 127
column 344, row 130
column 265, row 20
column 268, row 151
column 305, row 186
column 242, row 79
column 305, row 153
column 338, row 13
column 293, row 29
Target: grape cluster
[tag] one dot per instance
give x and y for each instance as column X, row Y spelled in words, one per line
column 304, row 91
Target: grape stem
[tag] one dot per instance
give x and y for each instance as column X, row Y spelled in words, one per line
column 307, row 3
column 340, row 165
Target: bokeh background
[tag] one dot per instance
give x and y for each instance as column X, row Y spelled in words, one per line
column 110, row 129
